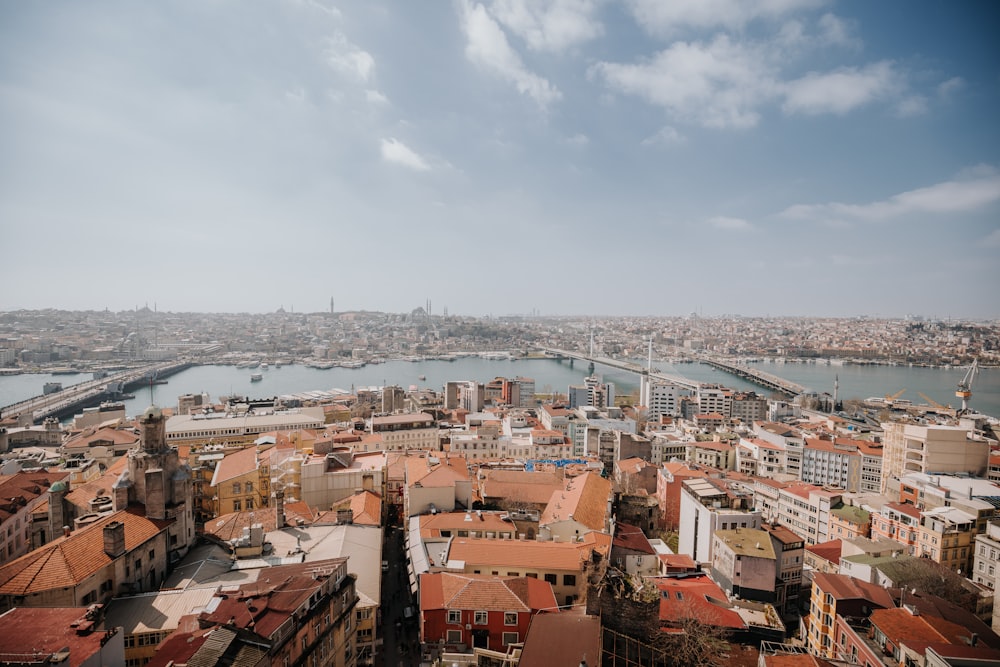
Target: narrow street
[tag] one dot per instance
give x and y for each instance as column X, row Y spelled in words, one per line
column 400, row 636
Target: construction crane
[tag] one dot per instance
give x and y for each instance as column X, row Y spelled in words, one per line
column 964, row 390
column 890, row 399
column 932, row 402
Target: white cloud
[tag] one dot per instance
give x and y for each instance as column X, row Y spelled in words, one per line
column 965, row 194
column 948, row 88
column 348, row 59
column 487, row 46
column 835, row 31
column 375, row 97
column 665, row 136
column 549, row 25
column 399, row 153
column 716, row 84
column 666, row 16
column 732, row 224
column 578, row 140
column 911, row 105
column 842, row 90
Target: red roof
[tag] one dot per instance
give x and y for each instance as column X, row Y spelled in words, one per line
column 695, row 597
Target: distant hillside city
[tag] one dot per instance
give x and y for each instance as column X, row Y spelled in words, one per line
column 485, row 522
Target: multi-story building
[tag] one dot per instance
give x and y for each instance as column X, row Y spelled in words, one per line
column 329, row 478
column 805, row 508
column 707, row 505
column 714, row 398
column 986, row 561
column 21, row 494
column 789, row 550
column 238, row 428
column 930, row 449
column 664, row 399
column 235, row 483
column 852, row 465
column 756, row 456
column 593, row 393
column 748, row 407
column 744, row 562
column 668, row 490
column 714, row 454
column 848, row 522
column 836, row 595
column 59, row 635
column 784, row 436
column 413, row 430
column 460, row 612
column 899, row 522
column 947, row 535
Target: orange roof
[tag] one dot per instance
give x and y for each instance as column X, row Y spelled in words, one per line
column 829, row 551
column 570, row 556
column 431, row 525
column 695, row 597
column 449, row 590
column 84, row 493
column 69, row 560
column 235, row 465
column 365, row 506
column 230, row 526
column 585, row 501
column 520, row 485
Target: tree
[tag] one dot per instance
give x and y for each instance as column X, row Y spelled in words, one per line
column 931, row 578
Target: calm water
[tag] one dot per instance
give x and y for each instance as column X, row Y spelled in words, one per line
column 549, row 375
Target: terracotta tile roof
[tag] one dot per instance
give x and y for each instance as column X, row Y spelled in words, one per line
column 45, row 631
column 431, row 525
column 19, row 489
column 365, row 506
column 521, row 485
column 84, row 493
column 632, row 539
column 843, row 587
column 449, row 470
column 899, row 625
column 695, row 597
column 235, row 465
column 448, row 590
column 230, row 526
column 585, row 500
column 570, row 556
column 829, row 551
column 561, row 639
column 67, row 561
column 93, row 436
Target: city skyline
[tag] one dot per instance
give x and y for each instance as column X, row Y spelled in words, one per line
column 783, row 158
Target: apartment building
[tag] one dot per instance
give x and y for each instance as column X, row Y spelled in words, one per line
column 852, row 465
column 934, row 449
column 785, row 436
column 834, row 595
column 664, row 399
column 805, row 508
column 947, row 535
column 707, row 505
column 756, row 456
column 899, row 522
column 744, row 562
column 413, row 430
column 713, row 454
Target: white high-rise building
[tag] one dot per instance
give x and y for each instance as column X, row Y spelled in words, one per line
column 665, row 399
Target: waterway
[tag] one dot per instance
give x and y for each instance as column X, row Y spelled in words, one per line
column 549, row 375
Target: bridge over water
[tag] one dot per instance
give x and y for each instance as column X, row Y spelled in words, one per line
column 92, row 392
column 758, row 377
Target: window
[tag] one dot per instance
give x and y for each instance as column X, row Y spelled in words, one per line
column 237, row 506
column 249, row 487
column 569, row 580
column 454, row 616
column 509, row 638
column 510, row 618
column 237, row 488
column 551, row 578
column 454, row 637
column 480, row 618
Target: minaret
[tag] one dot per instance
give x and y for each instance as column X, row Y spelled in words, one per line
column 836, row 390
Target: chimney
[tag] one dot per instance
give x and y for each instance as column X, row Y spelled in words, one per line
column 66, row 531
column 279, row 509
column 114, row 539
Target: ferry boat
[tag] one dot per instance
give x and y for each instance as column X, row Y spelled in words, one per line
column 256, row 377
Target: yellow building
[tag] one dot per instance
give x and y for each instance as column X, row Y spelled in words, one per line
column 236, row 483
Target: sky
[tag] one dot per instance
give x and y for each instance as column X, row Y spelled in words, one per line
column 560, row 157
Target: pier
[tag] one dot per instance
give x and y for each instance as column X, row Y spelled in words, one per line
column 92, row 392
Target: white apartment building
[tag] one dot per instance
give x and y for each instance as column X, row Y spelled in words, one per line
column 805, row 508
column 714, row 399
column 665, row 399
column 708, row 505
column 986, row 562
column 414, row 430
column 930, row 449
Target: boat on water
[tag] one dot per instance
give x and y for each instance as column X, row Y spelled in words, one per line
column 421, row 377
column 263, row 366
column 256, row 377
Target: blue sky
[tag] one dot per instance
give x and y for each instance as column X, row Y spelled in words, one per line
column 796, row 157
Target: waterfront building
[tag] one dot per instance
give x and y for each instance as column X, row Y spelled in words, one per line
column 237, row 429
column 592, row 393
column 930, row 449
